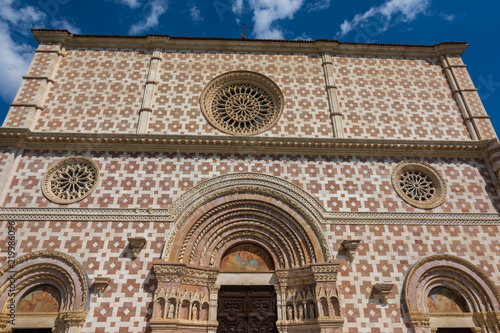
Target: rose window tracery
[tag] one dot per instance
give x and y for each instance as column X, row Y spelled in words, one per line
column 70, row 180
column 419, row 184
column 242, row 103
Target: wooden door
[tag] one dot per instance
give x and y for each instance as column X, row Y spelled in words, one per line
column 247, row 309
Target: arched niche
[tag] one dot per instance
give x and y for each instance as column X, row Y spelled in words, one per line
column 229, row 211
column 448, row 292
column 50, row 280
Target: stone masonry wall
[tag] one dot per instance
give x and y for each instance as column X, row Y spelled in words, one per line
column 343, row 184
column 101, row 90
column 385, row 254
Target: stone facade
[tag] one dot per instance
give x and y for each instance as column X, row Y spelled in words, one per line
column 141, row 250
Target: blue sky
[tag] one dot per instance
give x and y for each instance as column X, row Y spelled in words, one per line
column 379, row 21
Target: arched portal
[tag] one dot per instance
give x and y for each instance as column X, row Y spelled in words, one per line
column 253, row 210
column 444, row 293
column 51, row 290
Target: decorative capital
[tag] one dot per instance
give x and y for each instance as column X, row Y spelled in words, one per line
column 136, row 244
column 100, row 284
column 350, row 246
column 419, row 319
column 71, row 319
column 4, row 320
column 383, row 289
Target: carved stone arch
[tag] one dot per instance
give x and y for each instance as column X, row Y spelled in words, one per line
column 247, row 211
column 479, row 293
column 45, row 268
column 264, row 200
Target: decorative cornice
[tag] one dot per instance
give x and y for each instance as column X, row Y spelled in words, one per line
column 23, row 138
column 164, row 215
column 68, row 40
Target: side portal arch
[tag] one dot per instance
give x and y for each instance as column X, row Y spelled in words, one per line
column 58, row 288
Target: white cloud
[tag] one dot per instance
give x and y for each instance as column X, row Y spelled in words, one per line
column 16, row 51
column 64, row 24
column 238, row 7
column 318, row 5
column 448, row 17
column 195, row 13
column 131, row 3
column 380, row 18
column 16, row 58
column 266, row 13
column 157, row 8
column 304, row 36
column 17, row 16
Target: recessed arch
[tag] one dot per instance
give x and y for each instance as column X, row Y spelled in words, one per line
column 210, row 214
column 244, row 208
column 472, row 287
column 49, row 269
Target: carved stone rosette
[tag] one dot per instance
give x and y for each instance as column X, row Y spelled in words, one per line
column 419, row 184
column 242, row 103
column 70, row 180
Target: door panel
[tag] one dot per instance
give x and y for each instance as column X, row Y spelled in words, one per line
column 247, row 309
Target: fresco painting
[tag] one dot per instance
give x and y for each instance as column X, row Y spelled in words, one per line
column 247, row 257
column 40, row 299
column 442, row 299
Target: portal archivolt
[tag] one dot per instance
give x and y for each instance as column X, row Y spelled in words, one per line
column 261, row 213
column 276, row 214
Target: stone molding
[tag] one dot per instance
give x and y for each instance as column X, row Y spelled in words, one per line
column 149, row 42
column 253, row 188
column 165, row 216
column 24, row 138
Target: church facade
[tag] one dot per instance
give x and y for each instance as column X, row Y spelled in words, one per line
column 172, row 184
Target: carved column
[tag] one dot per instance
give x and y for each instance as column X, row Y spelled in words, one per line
column 149, row 92
column 458, row 94
column 331, row 90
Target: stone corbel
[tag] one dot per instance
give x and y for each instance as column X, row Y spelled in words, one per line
column 136, row 244
column 383, row 289
column 100, row 284
column 350, row 246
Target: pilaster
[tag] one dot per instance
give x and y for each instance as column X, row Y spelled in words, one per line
column 30, row 99
column 467, row 98
column 149, row 93
column 333, row 103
